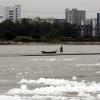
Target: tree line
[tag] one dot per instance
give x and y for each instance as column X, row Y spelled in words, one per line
column 26, row 30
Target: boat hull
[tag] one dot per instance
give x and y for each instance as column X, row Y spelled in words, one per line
column 49, row 52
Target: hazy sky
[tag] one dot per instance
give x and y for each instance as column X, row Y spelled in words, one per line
column 53, row 8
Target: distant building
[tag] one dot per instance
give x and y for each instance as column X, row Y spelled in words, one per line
column 11, row 13
column 87, row 22
column 75, row 16
column 88, row 29
column 39, row 19
column 94, row 25
column 61, row 21
column 49, row 20
column 98, row 24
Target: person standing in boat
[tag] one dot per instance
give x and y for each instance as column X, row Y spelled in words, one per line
column 61, row 49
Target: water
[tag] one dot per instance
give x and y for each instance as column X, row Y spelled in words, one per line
column 63, row 77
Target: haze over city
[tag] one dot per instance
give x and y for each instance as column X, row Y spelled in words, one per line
column 53, row 8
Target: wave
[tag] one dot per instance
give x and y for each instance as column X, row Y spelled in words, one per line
column 53, row 59
column 98, row 72
column 45, row 81
column 89, row 65
column 3, row 80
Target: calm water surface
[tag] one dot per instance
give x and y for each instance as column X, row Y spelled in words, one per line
column 63, row 77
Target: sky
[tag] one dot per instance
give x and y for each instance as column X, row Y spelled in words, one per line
column 53, row 8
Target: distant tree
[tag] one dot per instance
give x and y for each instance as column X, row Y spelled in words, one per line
column 36, row 35
column 7, row 22
column 8, row 35
column 25, row 21
column 69, row 30
column 53, row 34
column 37, row 30
column 7, row 25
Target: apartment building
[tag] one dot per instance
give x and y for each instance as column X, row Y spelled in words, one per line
column 75, row 16
column 11, row 13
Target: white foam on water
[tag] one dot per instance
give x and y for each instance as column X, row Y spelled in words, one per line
column 88, row 65
column 74, row 78
column 52, row 92
column 47, row 59
column 19, row 73
column 69, row 59
column 98, row 96
column 53, row 59
column 3, row 80
column 6, row 97
column 54, row 89
column 12, row 69
column 36, row 97
column 54, row 82
column 26, row 72
column 65, row 83
column 27, row 68
column 58, row 88
column 98, row 72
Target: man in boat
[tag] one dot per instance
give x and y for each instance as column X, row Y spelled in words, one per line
column 61, row 49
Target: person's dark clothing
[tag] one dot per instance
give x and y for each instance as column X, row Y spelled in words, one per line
column 61, row 49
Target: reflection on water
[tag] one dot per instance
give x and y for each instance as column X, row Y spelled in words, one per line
column 66, row 77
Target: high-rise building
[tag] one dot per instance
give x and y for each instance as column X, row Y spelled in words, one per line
column 94, row 23
column 98, row 24
column 11, row 13
column 75, row 16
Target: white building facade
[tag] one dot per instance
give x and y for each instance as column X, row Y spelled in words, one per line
column 75, row 16
column 11, row 13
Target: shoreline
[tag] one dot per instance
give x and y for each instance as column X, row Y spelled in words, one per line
column 49, row 43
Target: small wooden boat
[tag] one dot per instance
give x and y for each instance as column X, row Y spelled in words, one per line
column 49, row 52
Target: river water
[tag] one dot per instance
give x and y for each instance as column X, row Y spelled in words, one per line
column 62, row 77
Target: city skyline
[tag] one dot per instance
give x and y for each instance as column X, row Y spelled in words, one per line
column 53, row 8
